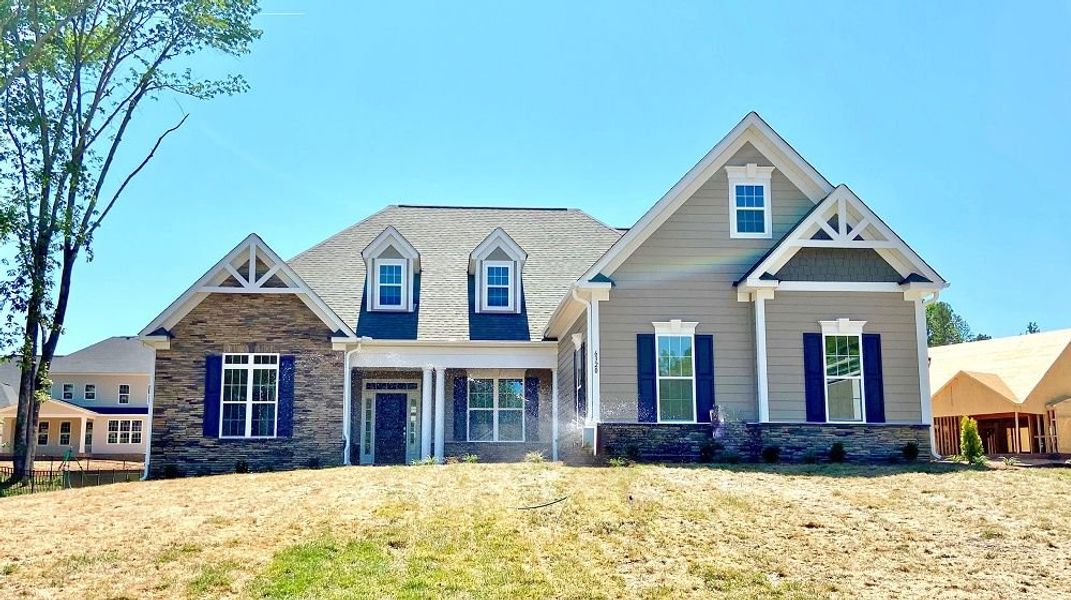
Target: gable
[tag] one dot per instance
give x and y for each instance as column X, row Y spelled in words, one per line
column 838, row 264
column 751, row 130
column 250, row 268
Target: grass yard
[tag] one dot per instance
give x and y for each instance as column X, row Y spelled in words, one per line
column 456, row 531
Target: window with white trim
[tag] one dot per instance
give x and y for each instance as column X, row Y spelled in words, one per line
column 124, row 431
column 65, row 433
column 90, row 392
column 842, row 361
column 750, row 211
column 676, row 378
column 42, row 433
column 250, row 396
column 391, row 285
column 68, row 391
column 496, row 410
column 89, row 433
column 124, row 393
column 498, row 285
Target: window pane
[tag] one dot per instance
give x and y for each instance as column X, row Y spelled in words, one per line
column 511, row 425
column 113, row 425
column 263, row 420
column 481, row 393
column 675, row 356
column 233, row 420
column 236, row 359
column 510, row 393
column 675, row 400
column 845, row 398
column 234, row 385
column 390, row 274
column 750, row 221
column 498, row 276
column 264, row 385
column 481, row 425
column 265, row 359
column 124, row 425
column 135, row 426
column 843, row 356
column 390, row 295
column 498, row 296
column 749, row 196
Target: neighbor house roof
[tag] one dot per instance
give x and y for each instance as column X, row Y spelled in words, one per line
column 1011, row 366
column 560, row 243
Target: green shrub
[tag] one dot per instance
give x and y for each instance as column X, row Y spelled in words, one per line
column 241, row 467
column 709, row 450
column 171, row 472
column 424, row 461
column 810, row 457
column 313, row 463
column 911, row 451
column 470, row 458
column 619, row 461
column 837, row 453
column 535, row 457
column 970, row 443
column 771, row 454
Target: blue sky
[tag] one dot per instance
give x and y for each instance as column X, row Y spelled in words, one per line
column 949, row 119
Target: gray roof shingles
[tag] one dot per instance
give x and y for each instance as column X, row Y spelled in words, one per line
column 561, row 244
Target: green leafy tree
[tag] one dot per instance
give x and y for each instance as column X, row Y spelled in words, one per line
column 75, row 74
column 970, row 443
column 981, row 337
column 1032, row 327
column 944, row 326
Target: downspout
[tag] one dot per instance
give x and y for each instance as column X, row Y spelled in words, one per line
column 150, row 401
column 589, row 365
column 347, row 398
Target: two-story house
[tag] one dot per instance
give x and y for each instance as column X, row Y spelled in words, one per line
column 98, row 402
column 755, row 304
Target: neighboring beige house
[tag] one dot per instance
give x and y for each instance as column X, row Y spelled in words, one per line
column 1017, row 388
column 98, row 406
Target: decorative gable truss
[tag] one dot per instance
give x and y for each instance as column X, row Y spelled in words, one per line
column 496, row 265
column 842, row 220
column 250, row 268
column 392, row 264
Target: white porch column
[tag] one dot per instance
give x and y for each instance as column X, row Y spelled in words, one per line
column 440, row 414
column 425, row 414
column 82, row 438
column 554, row 414
column 924, row 372
column 761, row 370
column 594, row 387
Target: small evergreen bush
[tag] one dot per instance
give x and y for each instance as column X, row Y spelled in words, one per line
column 911, row 451
column 837, row 453
column 313, row 463
column 771, row 454
column 970, row 443
column 241, row 467
column 470, row 458
column 619, row 461
column 709, row 450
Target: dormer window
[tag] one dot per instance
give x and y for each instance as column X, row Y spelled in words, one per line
column 496, row 266
column 391, row 266
column 750, row 214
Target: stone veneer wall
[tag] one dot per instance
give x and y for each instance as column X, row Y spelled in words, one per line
column 650, row 442
column 277, row 323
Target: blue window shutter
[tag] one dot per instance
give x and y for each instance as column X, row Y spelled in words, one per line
column 531, row 409
column 873, row 384
column 213, row 389
column 814, row 386
column 286, row 397
column 704, row 377
column 646, row 378
column 461, row 407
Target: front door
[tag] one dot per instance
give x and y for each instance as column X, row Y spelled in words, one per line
column 390, row 428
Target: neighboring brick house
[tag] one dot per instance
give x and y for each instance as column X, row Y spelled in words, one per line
column 98, row 404
column 755, row 304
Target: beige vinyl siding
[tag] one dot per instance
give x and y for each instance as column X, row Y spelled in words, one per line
column 791, row 314
column 685, row 270
column 107, row 388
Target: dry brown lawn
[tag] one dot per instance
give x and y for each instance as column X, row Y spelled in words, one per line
column 456, row 531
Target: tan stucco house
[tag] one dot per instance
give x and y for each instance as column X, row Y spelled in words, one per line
column 1017, row 388
column 98, row 406
column 754, row 305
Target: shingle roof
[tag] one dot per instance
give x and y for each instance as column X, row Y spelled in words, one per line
column 119, row 354
column 561, row 244
column 1011, row 366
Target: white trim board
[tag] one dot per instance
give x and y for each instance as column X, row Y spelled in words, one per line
column 750, row 129
column 252, row 248
column 487, row 356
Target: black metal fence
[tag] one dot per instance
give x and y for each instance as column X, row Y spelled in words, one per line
column 65, row 475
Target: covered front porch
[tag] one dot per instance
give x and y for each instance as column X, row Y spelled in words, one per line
column 64, row 428
column 414, row 402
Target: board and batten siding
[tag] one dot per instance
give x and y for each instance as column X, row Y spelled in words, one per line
column 566, row 381
column 685, row 270
column 791, row 314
